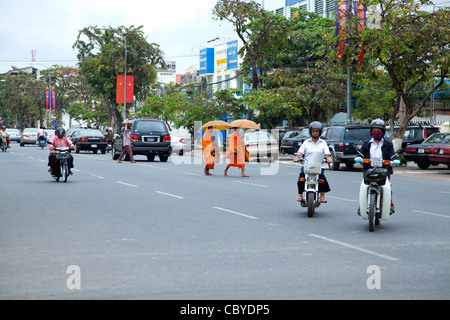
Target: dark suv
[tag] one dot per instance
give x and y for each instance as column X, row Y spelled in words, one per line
column 149, row 137
column 414, row 134
column 340, row 140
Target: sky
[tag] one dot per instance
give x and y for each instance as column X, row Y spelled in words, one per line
column 50, row 27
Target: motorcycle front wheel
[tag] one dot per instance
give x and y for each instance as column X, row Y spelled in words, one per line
column 372, row 206
column 64, row 171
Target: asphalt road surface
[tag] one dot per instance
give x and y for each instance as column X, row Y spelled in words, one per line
column 154, row 230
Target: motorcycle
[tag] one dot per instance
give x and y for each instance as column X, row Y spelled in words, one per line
column 375, row 189
column 63, row 157
column 4, row 144
column 311, row 196
column 41, row 142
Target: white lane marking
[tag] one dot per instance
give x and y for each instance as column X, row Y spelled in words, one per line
column 444, row 192
column 30, row 158
column 97, row 176
column 127, row 184
column 355, row 247
column 432, row 214
column 237, row 213
column 169, row 194
column 76, row 170
column 344, row 199
column 252, row 184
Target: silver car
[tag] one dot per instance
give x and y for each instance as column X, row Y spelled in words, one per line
column 261, row 144
column 14, row 134
column 28, row 136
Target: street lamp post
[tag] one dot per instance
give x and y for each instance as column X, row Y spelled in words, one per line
column 50, row 96
column 125, row 86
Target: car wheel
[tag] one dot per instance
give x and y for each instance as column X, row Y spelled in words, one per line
column 94, row 151
column 114, row 155
column 103, row 151
column 423, row 165
column 77, row 148
column 335, row 164
column 163, row 158
column 150, row 157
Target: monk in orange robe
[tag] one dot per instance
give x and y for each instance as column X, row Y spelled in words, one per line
column 208, row 145
column 236, row 153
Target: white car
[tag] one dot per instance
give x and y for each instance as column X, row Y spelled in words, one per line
column 14, row 134
column 261, row 144
column 180, row 143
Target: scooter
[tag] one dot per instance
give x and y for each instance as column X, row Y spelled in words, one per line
column 4, row 144
column 375, row 189
column 42, row 142
column 311, row 196
column 63, row 157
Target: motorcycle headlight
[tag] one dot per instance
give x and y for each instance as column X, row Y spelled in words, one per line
column 311, row 179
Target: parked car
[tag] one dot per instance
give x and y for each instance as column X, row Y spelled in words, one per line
column 149, row 137
column 340, row 140
column 292, row 140
column 414, row 134
column 14, row 134
column 261, row 144
column 180, row 144
column 433, row 151
column 28, row 136
column 88, row 139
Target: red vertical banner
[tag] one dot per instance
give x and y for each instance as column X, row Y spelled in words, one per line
column 361, row 14
column 53, row 99
column 47, row 99
column 342, row 12
column 130, row 89
column 120, row 89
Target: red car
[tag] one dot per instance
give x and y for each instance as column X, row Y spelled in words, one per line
column 433, row 151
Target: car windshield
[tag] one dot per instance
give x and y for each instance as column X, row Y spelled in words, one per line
column 357, row 134
column 91, row 133
column 148, row 126
column 438, row 138
column 30, row 130
column 12, row 130
column 305, row 133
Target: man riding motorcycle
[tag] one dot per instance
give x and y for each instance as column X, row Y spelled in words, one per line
column 42, row 134
column 57, row 141
column 306, row 149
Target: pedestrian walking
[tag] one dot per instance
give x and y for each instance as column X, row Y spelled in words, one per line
column 236, row 153
column 126, row 145
column 209, row 150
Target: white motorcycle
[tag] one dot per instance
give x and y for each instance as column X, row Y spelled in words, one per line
column 375, row 189
column 311, row 196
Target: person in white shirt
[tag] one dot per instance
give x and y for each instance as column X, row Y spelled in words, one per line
column 306, row 149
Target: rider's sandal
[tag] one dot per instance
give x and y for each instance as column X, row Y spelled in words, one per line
column 299, row 198
column 322, row 200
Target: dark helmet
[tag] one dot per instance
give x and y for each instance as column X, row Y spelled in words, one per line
column 315, row 125
column 378, row 123
column 60, row 132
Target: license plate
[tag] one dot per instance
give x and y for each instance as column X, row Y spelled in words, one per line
column 376, row 163
column 93, row 146
column 150, row 139
column 420, row 151
column 441, row 151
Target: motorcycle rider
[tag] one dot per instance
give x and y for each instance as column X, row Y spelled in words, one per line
column 42, row 134
column 4, row 135
column 57, row 141
column 378, row 148
column 314, row 143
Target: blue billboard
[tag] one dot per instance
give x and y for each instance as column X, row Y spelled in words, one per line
column 232, row 55
column 207, row 61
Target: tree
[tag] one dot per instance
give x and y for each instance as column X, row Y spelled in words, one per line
column 101, row 52
column 262, row 33
column 411, row 45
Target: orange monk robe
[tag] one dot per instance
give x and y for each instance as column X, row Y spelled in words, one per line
column 237, row 159
column 207, row 145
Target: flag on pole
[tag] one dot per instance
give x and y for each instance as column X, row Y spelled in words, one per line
column 50, row 96
column 120, row 88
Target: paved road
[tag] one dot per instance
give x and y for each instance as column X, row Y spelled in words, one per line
column 155, row 230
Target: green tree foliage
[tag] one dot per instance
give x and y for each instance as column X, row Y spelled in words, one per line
column 262, row 33
column 101, row 52
column 411, row 45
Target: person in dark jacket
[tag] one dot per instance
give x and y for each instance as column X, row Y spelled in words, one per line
column 378, row 148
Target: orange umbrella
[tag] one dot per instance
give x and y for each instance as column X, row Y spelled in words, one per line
column 244, row 124
column 216, row 124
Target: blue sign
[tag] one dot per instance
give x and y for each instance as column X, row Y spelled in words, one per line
column 207, row 61
column 232, row 55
